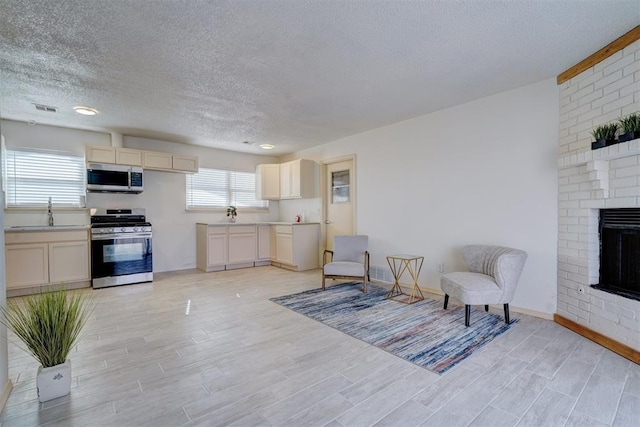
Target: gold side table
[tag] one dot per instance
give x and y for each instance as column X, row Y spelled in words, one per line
column 411, row 264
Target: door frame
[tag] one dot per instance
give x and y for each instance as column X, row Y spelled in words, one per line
column 325, row 196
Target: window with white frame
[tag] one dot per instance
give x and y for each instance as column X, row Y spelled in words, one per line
column 218, row 188
column 31, row 176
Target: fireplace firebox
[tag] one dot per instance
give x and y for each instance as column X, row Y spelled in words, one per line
column 620, row 252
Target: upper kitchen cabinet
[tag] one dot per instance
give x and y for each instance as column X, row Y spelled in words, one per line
column 99, row 154
column 155, row 160
column 169, row 162
column 185, row 163
column 128, row 156
column 147, row 159
column 268, row 182
column 297, row 179
column 114, row 155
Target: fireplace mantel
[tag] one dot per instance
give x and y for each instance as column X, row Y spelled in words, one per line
column 617, row 151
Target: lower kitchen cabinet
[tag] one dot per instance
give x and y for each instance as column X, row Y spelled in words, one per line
column 211, row 247
column 27, row 265
column 264, row 244
column 68, row 261
column 40, row 258
column 297, row 246
column 226, row 247
column 243, row 243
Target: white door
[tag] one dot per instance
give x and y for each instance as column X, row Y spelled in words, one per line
column 339, row 200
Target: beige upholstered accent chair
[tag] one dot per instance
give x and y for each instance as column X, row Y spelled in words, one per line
column 349, row 259
column 493, row 275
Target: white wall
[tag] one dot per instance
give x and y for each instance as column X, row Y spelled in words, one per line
column 481, row 172
column 163, row 196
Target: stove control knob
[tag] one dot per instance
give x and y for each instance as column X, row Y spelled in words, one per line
column 123, row 230
column 111, row 230
column 135, row 229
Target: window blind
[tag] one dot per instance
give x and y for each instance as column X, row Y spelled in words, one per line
column 32, row 176
column 217, row 188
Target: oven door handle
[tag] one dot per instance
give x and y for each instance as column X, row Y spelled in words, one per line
column 121, row 236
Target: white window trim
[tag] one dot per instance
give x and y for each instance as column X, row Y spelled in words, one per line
column 228, row 194
column 42, row 201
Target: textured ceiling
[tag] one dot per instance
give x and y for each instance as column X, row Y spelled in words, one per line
column 291, row 73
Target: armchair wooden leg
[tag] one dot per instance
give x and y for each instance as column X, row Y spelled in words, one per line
column 506, row 314
column 467, row 314
column 364, row 285
column 486, row 308
column 446, row 301
column 323, row 282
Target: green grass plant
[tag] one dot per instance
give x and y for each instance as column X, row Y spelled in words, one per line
column 49, row 324
column 630, row 123
column 607, row 132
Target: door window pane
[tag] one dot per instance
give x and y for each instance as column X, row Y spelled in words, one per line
column 340, row 186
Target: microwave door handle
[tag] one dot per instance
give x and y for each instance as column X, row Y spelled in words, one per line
column 129, row 178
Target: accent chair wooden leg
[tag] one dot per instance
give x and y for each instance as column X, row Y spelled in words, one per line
column 323, row 282
column 506, row 314
column 446, row 301
column 364, row 286
column 467, row 314
column 486, row 308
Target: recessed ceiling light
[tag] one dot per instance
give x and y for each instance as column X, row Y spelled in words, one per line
column 85, row 111
column 266, row 146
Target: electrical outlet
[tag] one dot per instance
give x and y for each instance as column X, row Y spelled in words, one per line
column 441, row 267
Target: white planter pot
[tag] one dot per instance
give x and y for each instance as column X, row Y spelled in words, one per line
column 54, row 382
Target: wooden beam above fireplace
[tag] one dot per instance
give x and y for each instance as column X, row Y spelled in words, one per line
column 600, row 55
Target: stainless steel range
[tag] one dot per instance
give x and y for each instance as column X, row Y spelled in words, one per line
column 120, row 247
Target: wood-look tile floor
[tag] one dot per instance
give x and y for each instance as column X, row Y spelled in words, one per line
column 211, row 349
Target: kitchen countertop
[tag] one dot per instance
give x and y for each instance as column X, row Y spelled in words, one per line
column 16, row 228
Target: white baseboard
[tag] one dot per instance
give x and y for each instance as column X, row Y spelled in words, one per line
column 6, row 391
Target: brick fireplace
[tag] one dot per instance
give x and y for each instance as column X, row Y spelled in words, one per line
column 592, row 180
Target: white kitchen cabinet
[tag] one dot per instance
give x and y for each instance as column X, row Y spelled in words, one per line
column 156, row 160
column 68, row 261
column 297, row 179
column 27, row 265
column 243, row 242
column 36, row 258
column 113, row 155
column 226, row 247
column 184, row 163
column 297, row 246
column 268, row 182
column 211, row 247
column 128, row 156
column 147, row 159
column 169, row 162
column 264, row 244
column 284, row 245
column 100, row 154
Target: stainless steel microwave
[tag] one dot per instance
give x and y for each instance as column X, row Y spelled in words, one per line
column 107, row 178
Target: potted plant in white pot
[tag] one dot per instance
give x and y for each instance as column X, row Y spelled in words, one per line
column 49, row 324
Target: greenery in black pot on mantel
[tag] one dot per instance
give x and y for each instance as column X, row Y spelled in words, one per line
column 630, row 127
column 604, row 135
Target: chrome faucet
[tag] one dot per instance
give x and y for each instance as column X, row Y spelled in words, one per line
column 50, row 212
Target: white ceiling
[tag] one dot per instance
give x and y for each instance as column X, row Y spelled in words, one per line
column 291, row 73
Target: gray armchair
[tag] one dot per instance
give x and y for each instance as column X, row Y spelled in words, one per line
column 493, row 275
column 348, row 260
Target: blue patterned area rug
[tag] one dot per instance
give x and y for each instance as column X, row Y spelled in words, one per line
column 422, row 333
